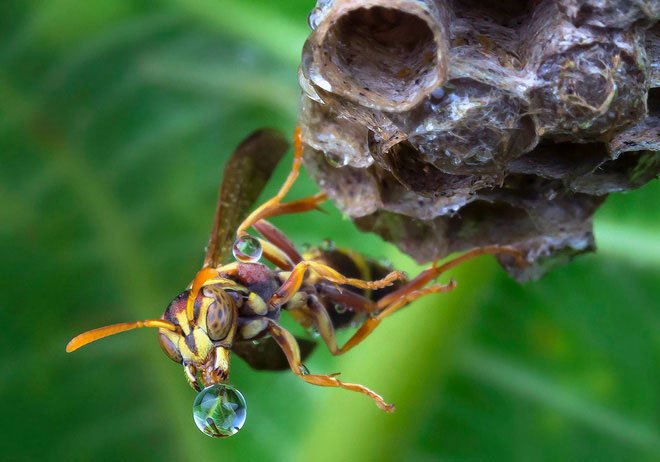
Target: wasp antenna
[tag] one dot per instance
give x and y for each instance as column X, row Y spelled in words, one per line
column 201, row 277
column 101, row 332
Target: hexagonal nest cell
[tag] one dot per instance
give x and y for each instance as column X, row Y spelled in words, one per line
column 446, row 125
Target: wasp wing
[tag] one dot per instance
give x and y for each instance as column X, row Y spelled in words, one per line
column 266, row 354
column 245, row 176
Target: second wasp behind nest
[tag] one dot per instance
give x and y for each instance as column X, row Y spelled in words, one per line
column 235, row 306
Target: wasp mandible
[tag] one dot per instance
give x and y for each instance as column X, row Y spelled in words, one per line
column 235, row 306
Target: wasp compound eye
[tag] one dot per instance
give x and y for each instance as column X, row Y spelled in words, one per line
column 219, row 410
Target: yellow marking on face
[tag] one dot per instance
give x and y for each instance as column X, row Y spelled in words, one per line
column 182, row 319
column 202, row 344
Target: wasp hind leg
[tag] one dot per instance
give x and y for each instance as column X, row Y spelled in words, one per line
column 289, row 346
column 395, row 300
column 317, row 314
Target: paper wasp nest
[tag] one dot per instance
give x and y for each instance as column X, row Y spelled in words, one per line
column 445, row 125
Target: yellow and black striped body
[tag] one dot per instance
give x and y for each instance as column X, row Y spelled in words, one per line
column 351, row 264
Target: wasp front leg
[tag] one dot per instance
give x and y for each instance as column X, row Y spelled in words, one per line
column 274, row 206
column 289, row 346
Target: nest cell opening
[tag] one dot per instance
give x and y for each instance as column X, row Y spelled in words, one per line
column 384, row 51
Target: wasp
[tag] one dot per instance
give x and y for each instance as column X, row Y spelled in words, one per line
column 235, row 304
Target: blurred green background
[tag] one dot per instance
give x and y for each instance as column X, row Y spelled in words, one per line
column 116, row 117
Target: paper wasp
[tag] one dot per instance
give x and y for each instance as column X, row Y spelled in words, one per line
column 235, row 306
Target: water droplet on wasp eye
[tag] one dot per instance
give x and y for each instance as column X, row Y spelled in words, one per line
column 327, row 245
column 247, row 249
column 219, row 410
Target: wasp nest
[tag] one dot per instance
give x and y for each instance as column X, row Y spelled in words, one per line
column 446, row 125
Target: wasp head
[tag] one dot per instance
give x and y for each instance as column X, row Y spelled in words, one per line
column 196, row 330
column 202, row 341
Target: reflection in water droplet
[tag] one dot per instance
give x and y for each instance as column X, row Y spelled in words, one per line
column 304, row 370
column 314, row 18
column 247, row 249
column 384, row 261
column 219, row 410
column 308, row 89
column 340, row 308
column 437, row 94
column 337, row 160
column 327, row 245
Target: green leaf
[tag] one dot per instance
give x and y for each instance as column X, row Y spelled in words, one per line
column 116, row 119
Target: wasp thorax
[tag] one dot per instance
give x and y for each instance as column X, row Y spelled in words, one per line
column 219, row 410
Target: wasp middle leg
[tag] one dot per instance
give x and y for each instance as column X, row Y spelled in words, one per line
column 289, row 346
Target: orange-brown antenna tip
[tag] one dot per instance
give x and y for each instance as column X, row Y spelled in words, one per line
column 101, row 332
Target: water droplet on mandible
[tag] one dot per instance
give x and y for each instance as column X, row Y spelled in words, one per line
column 219, row 410
column 247, row 249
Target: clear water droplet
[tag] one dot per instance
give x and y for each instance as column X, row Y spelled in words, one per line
column 327, row 245
column 337, row 160
column 219, row 410
column 314, row 18
column 340, row 308
column 247, row 249
column 437, row 94
column 384, row 261
column 308, row 89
